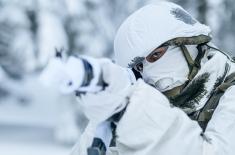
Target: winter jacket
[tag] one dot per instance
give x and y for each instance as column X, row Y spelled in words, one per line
column 151, row 126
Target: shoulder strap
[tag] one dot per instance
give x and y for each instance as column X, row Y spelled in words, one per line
column 207, row 111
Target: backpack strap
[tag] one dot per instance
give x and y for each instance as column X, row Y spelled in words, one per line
column 207, row 111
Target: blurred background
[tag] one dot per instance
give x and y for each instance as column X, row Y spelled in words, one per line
column 35, row 120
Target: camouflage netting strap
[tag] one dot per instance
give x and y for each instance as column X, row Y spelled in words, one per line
column 204, row 115
column 195, row 40
column 207, row 111
column 174, row 92
column 194, row 65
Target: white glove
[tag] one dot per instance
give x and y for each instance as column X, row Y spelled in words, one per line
column 100, row 106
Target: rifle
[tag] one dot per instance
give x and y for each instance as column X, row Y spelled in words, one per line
column 97, row 147
column 88, row 72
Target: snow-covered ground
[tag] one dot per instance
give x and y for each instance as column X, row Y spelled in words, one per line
column 29, row 103
column 18, row 140
column 31, row 119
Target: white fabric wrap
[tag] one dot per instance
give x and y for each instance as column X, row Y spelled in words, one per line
column 66, row 76
column 149, row 27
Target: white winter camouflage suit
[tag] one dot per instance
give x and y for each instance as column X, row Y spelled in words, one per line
column 150, row 125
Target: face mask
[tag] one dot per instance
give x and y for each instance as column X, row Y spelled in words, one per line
column 170, row 71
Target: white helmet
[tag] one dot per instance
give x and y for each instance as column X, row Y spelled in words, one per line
column 150, row 27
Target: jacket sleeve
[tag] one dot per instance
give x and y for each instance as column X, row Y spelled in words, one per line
column 151, row 125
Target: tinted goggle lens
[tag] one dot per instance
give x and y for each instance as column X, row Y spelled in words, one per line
column 152, row 57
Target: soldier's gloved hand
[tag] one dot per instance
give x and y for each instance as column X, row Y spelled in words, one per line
column 101, row 105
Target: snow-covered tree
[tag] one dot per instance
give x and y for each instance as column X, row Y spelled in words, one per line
column 17, row 46
column 219, row 15
column 51, row 33
column 30, row 30
column 92, row 24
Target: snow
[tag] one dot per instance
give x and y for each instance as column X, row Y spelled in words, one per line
column 18, row 140
column 75, row 7
column 51, row 35
column 28, row 107
column 34, row 113
column 35, row 120
column 14, row 148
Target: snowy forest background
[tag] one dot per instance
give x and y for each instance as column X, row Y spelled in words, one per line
column 35, row 120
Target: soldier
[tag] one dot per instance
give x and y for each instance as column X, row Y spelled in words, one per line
column 170, row 91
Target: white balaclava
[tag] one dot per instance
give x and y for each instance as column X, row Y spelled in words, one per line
column 170, row 71
column 148, row 28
